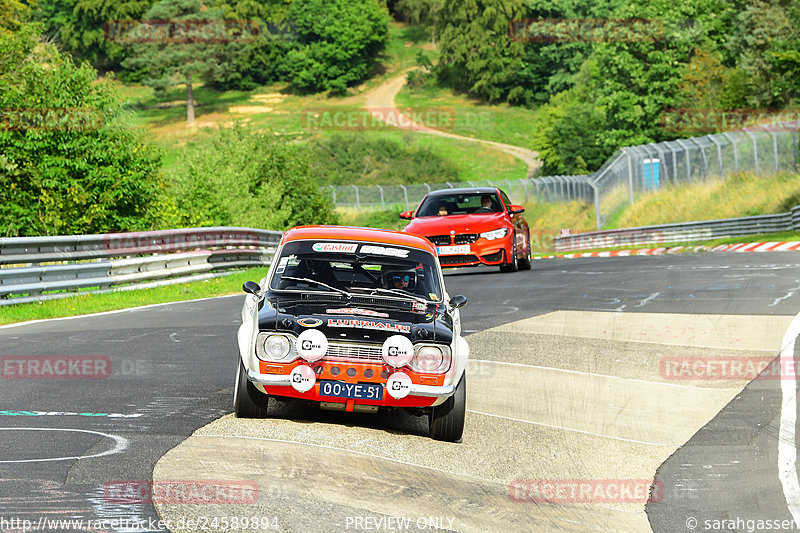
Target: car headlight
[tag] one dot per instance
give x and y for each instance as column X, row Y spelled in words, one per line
column 431, row 359
column 273, row 347
column 495, row 234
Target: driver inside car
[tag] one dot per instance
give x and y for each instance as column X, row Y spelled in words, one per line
column 404, row 281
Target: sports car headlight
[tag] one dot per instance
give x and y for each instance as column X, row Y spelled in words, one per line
column 273, row 347
column 495, row 234
column 431, row 359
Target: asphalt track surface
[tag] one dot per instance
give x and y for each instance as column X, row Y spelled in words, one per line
column 566, row 383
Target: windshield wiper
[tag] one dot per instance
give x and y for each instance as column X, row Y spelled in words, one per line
column 392, row 292
column 307, row 280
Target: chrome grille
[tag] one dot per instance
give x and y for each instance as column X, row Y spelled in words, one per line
column 466, row 238
column 354, row 352
column 440, row 240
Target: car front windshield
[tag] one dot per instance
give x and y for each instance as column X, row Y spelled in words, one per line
column 460, row 204
column 357, row 268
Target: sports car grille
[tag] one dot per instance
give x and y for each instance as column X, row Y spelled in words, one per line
column 466, row 238
column 440, row 240
column 457, row 259
column 357, row 352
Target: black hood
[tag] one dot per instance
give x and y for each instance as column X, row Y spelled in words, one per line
column 360, row 322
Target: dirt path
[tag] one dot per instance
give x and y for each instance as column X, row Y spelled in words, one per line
column 380, row 102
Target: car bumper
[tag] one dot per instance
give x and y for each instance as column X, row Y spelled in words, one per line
column 494, row 255
column 427, row 391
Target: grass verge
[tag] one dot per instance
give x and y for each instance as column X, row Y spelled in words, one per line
column 82, row 304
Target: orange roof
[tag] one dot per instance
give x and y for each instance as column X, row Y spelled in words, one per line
column 348, row 233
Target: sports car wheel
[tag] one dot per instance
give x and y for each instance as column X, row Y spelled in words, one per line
column 525, row 264
column 512, row 266
column 248, row 401
column 447, row 419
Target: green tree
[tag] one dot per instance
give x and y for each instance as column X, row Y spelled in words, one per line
column 81, row 27
column 247, row 179
column 477, row 52
column 338, row 42
column 69, row 165
column 182, row 56
column 12, row 13
column 423, row 12
column 259, row 62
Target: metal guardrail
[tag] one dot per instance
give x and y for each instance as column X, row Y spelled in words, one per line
column 683, row 232
column 45, row 268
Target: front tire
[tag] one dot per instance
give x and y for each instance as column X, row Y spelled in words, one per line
column 248, row 401
column 513, row 265
column 447, row 419
column 525, row 264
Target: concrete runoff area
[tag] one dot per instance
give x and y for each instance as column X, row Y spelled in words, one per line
column 558, row 398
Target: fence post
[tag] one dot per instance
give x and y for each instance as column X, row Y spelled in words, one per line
column 774, row 147
column 525, row 188
column 702, row 154
column 383, row 204
column 428, row 187
column 688, row 163
column 333, row 193
column 405, row 194
column 755, row 149
column 719, row 152
column 794, row 147
column 735, row 151
column 630, row 173
column 449, row 184
column 596, row 204
column 358, row 201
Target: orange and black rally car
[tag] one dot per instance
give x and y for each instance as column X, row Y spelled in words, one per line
column 358, row 320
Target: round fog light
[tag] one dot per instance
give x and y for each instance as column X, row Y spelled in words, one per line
column 397, row 351
column 398, row 385
column 303, row 378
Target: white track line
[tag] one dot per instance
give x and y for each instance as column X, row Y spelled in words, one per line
column 582, row 373
column 120, row 444
column 787, row 450
column 670, row 445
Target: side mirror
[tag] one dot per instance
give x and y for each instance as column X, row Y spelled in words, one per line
column 252, row 287
column 516, row 209
column 407, row 215
column 458, row 301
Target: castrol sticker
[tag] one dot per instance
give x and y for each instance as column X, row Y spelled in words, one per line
column 303, row 378
column 398, row 385
column 397, row 351
column 312, row 345
column 334, row 247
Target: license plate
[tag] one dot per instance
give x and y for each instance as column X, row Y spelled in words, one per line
column 462, row 249
column 355, row 391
